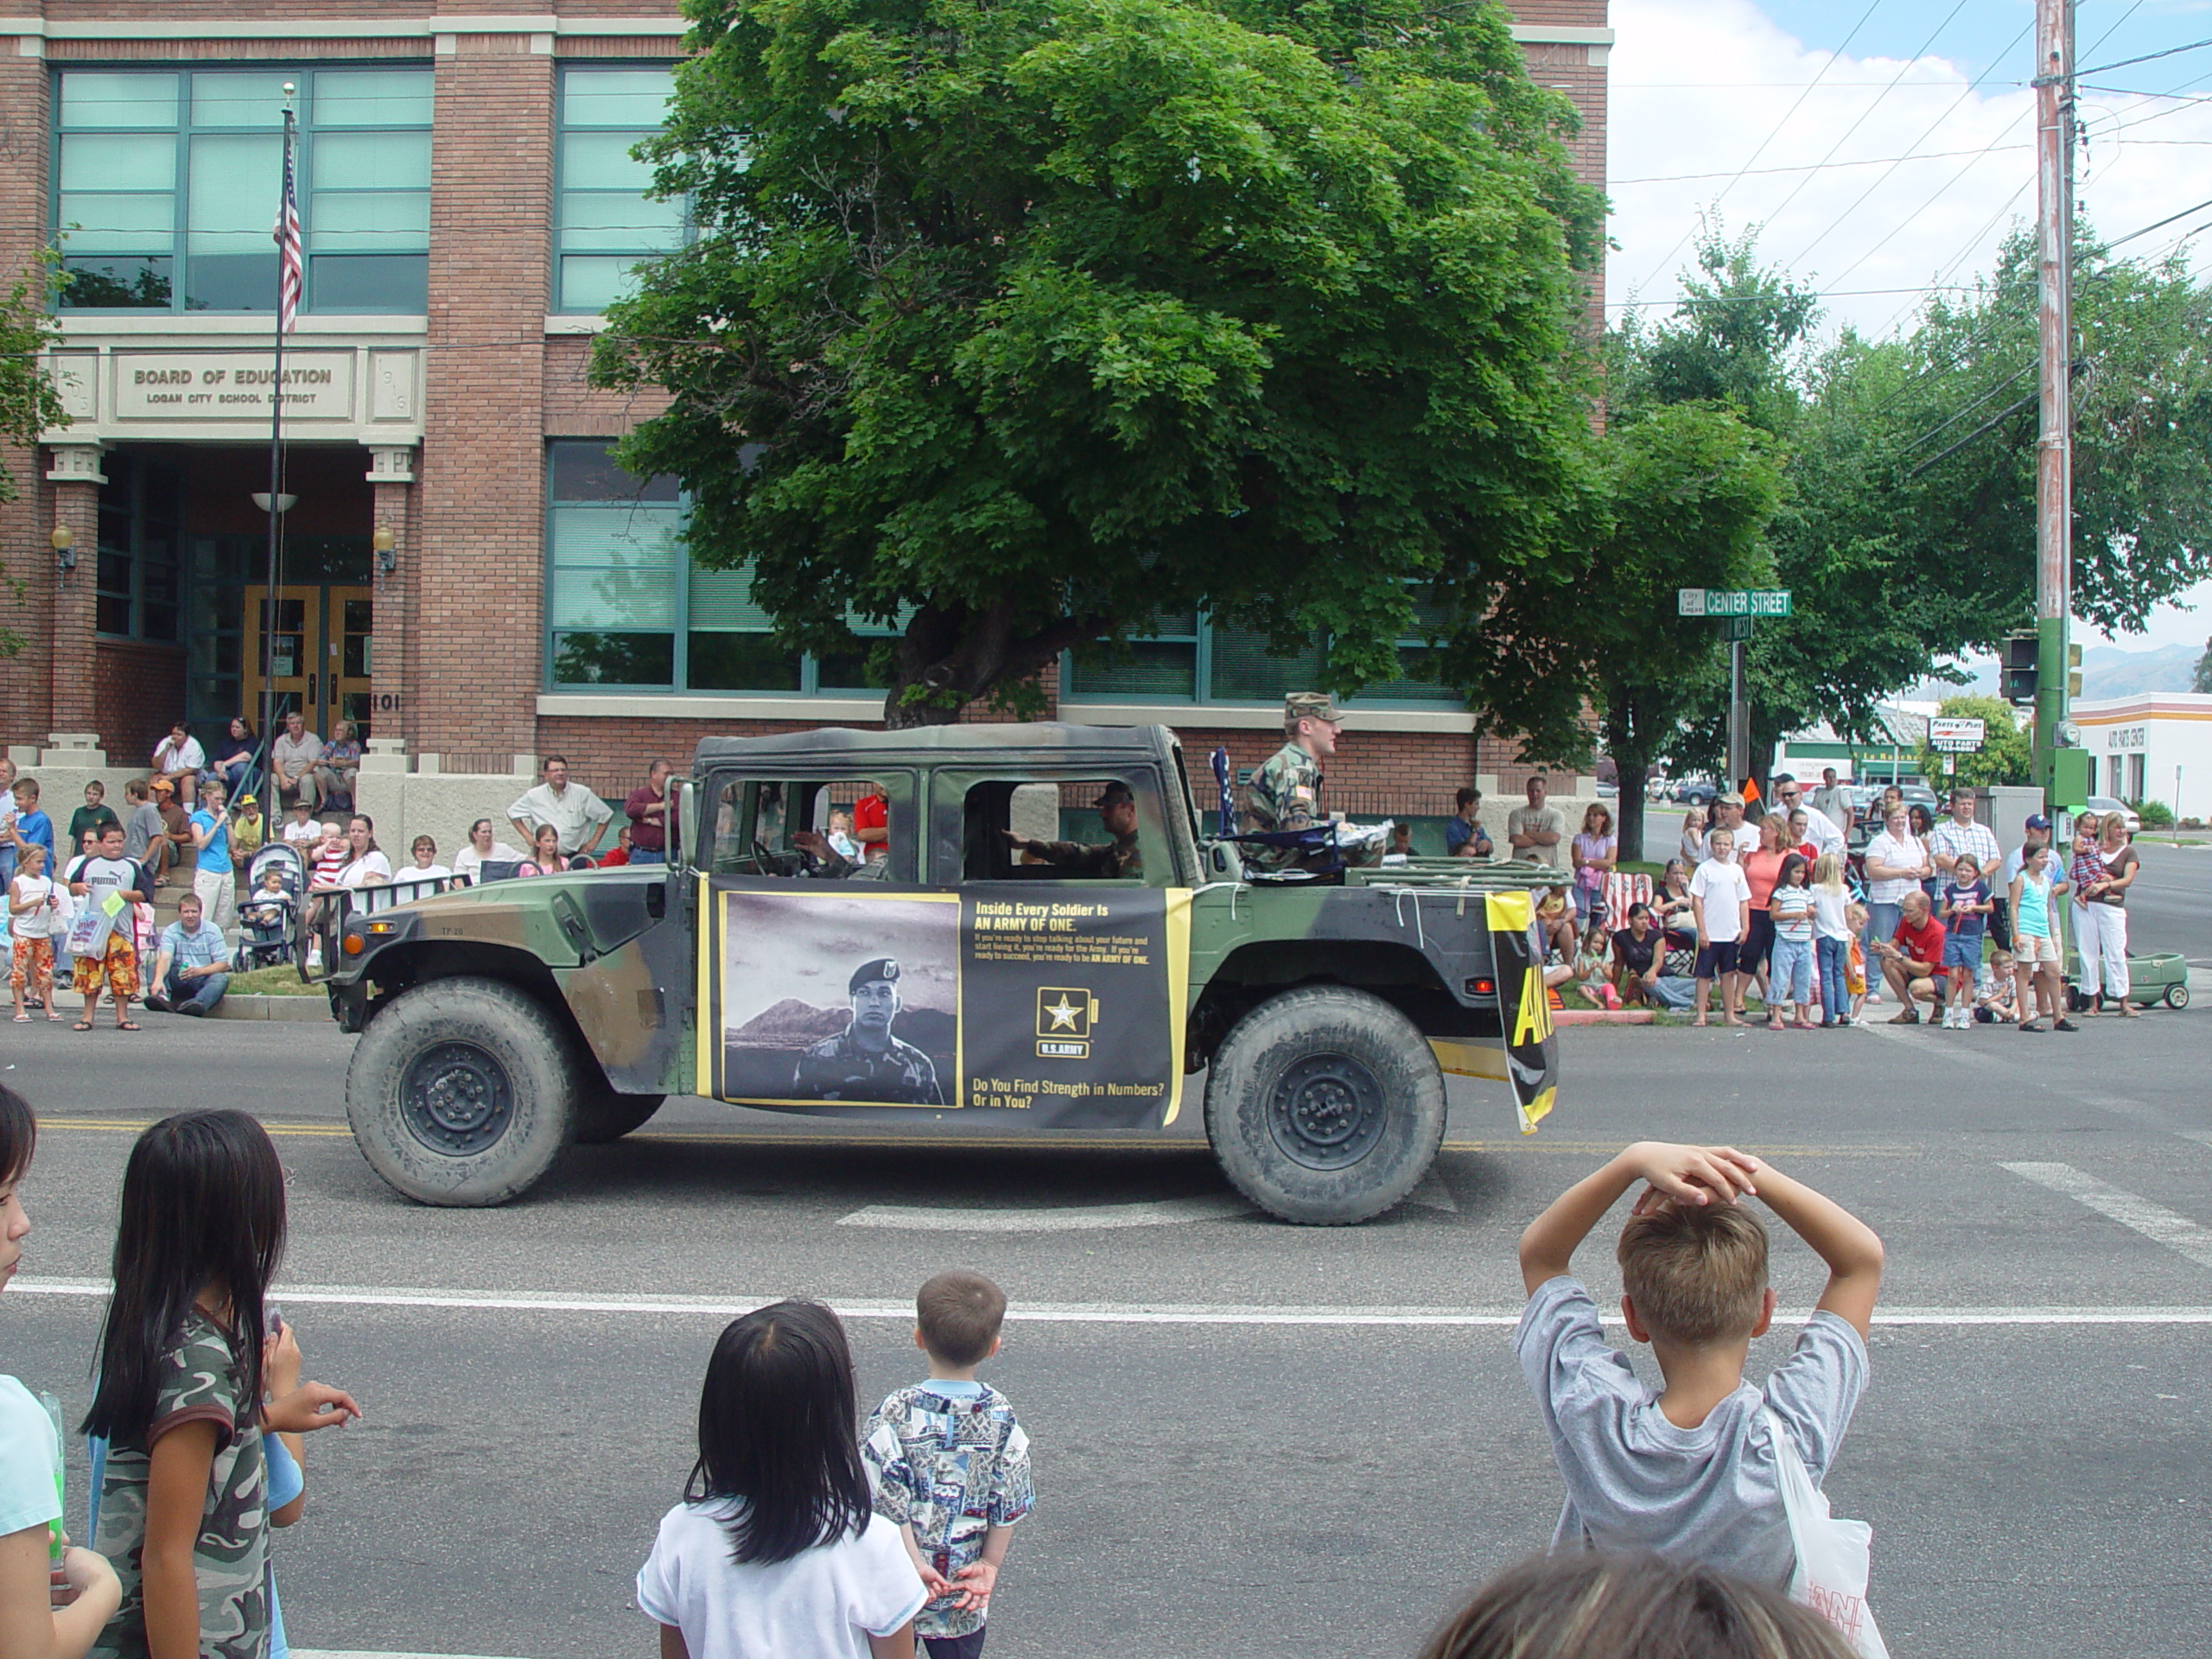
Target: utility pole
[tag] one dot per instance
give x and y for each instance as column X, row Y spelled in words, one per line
column 1739, row 721
column 2060, row 771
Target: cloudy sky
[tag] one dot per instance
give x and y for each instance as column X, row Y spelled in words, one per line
column 1887, row 148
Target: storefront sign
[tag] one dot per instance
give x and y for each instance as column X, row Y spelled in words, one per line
column 2126, row 737
column 200, row 386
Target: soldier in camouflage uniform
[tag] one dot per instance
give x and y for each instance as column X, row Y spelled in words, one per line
column 865, row 1062
column 1117, row 811
column 1286, row 793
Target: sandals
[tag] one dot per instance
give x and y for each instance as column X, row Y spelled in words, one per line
column 128, row 1024
column 82, row 1024
column 22, row 1019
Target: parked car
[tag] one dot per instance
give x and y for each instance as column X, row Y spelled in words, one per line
column 1699, row 792
column 1607, row 789
column 2101, row 805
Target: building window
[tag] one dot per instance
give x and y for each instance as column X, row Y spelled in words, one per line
column 625, row 610
column 168, row 182
column 136, row 588
column 1188, row 659
column 604, row 223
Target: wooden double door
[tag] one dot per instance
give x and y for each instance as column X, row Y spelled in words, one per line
column 322, row 653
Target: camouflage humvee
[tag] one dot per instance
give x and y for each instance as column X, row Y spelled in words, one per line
column 1046, row 939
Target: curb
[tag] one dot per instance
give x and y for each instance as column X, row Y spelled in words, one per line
column 297, row 1009
column 1601, row 1016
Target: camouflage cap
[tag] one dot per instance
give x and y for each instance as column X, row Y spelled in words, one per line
column 885, row 969
column 1311, row 705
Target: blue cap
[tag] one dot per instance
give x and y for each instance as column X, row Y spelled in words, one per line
column 2037, row 820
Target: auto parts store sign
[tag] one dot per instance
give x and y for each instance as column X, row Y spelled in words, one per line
column 227, row 385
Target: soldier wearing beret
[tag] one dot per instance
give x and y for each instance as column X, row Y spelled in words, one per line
column 865, row 1062
column 1117, row 811
column 1286, row 793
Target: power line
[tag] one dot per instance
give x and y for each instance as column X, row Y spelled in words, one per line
column 2148, row 57
column 1833, row 58
column 1806, row 167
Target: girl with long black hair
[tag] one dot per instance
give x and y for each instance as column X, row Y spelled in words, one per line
column 776, row 1550
column 183, row 1505
column 31, row 1467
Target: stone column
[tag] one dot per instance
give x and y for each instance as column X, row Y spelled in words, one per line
column 392, row 472
column 76, row 479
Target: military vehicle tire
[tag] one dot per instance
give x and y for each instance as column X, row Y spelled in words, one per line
column 603, row 1114
column 1324, row 1106
column 462, row 1092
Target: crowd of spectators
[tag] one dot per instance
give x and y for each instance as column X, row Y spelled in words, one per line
column 196, row 826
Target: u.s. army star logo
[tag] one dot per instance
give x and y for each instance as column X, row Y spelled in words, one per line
column 1064, row 1016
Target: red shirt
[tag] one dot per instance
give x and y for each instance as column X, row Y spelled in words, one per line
column 1926, row 945
column 647, row 834
column 621, row 855
column 869, row 812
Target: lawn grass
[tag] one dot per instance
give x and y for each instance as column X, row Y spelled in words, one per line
column 271, row 982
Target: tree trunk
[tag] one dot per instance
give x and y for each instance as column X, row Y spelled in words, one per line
column 1632, row 774
column 961, row 655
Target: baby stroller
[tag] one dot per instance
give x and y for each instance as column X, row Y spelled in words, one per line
column 269, row 930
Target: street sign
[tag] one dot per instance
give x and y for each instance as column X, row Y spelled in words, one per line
column 1731, row 601
column 1735, row 628
column 1954, row 736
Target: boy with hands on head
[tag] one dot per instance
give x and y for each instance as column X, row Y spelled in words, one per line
column 1690, row 1470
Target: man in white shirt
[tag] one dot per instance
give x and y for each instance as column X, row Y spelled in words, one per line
column 1728, row 814
column 295, row 756
column 1961, row 833
column 572, row 811
column 301, row 830
column 1720, row 899
column 1833, row 799
column 178, row 760
column 1537, row 829
column 1819, row 829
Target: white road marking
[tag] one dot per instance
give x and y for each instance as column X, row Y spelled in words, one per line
column 902, row 1308
column 2153, row 1221
column 1946, row 1046
column 1056, row 1219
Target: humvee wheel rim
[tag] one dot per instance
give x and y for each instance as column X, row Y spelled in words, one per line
column 1325, row 1112
column 456, row 1099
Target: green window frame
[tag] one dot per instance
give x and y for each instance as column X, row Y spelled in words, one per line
column 604, row 223
column 166, row 184
column 1190, row 660
column 626, row 611
column 139, row 573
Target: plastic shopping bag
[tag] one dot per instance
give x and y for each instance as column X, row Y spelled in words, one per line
column 1833, row 1557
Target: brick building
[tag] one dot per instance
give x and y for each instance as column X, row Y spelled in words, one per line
column 470, row 206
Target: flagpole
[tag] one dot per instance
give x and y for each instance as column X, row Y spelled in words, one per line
column 269, row 615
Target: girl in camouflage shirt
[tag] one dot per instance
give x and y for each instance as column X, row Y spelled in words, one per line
column 183, row 1502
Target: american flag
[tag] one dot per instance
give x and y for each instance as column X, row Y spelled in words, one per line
column 289, row 270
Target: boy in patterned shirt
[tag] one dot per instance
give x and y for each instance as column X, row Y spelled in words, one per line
column 949, row 1464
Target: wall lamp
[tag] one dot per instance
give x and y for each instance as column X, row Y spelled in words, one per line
column 382, row 541
column 65, row 548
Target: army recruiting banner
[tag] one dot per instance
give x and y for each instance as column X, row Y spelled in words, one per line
column 1067, row 1007
column 1524, row 1008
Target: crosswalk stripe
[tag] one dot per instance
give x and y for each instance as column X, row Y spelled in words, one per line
column 2154, row 1222
column 1051, row 1218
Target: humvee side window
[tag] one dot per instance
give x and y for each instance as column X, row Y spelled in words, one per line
column 1059, row 830
column 768, row 826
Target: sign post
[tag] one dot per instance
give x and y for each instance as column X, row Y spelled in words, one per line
column 1737, row 608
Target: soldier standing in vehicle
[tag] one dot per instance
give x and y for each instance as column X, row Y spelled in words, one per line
column 1285, row 793
column 1117, row 811
column 865, row 1062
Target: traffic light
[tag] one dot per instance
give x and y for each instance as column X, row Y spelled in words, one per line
column 2020, row 671
column 2072, row 671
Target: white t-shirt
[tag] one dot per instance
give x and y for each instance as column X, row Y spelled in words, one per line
column 368, row 868
column 302, row 832
column 1830, row 917
column 30, row 1459
column 33, row 923
column 1723, row 889
column 1886, row 848
column 172, row 756
column 469, row 861
column 822, row 1604
column 415, row 884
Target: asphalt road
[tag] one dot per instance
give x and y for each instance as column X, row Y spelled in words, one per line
column 1248, row 1436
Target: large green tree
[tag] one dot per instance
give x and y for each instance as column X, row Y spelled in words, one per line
column 28, row 402
column 1013, row 326
column 1909, row 536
